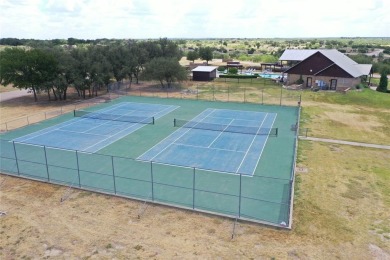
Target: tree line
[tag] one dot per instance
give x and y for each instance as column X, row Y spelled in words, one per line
column 53, row 69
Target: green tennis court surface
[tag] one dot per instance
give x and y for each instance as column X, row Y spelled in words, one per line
column 223, row 158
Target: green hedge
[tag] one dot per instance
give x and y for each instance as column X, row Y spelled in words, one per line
column 238, row 76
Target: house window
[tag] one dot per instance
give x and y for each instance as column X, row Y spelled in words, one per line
column 333, row 84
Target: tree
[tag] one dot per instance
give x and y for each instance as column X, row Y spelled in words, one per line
column 27, row 69
column 164, row 70
column 140, row 55
column 66, row 73
column 383, row 81
column 192, row 55
column 206, row 53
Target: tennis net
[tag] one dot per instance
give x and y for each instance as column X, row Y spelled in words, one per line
column 225, row 127
column 113, row 117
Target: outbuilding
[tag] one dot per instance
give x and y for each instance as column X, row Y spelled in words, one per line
column 204, row 73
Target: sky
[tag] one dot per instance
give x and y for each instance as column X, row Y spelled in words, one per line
column 144, row 19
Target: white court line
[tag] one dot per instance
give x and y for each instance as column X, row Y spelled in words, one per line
column 59, row 126
column 234, row 118
column 113, row 136
column 137, row 126
column 108, row 122
column 215, row 139
column 169, row 107
column 201, row 114
column 175, row 140
column 211, row 148
column 262, row 149
column 66, row 131
column 243, row 159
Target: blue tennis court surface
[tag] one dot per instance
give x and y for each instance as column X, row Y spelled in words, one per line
column 92, row 134
column 224, row 151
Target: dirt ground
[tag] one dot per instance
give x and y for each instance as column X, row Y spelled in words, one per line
column 341, row 211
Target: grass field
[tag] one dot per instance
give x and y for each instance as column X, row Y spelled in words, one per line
column 341, row 209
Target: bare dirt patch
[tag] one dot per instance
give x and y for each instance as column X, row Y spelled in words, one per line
column 362, row 122
column 7, row 88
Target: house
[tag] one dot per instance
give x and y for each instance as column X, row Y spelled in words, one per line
column 204, row 73
column 325, row 69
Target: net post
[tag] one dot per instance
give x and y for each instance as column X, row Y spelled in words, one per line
column 276, row 132
column 113, row 173
column 174, row 122
column 16, row 158
column 47, row 166
column 152, row 120
column 74, row 112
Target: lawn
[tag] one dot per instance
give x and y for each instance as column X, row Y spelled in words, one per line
column 361, row 116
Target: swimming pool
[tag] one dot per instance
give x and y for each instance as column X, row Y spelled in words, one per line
column 270, row 75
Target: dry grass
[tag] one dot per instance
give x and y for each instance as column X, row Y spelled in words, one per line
column 347, row 122
column 6, row 88
column 341, row 210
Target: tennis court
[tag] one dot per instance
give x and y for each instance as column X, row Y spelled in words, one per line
column 92, row 131
column 225, row 158
column 216, row 139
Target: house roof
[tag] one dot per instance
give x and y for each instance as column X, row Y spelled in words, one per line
column 205, row 68
column 338, row 58
column 296, row 55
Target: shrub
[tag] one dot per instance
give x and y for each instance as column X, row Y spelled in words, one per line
column 221, row 68
column 360, row 86
column 232, row 76
column 300, row 80
column 233, row 71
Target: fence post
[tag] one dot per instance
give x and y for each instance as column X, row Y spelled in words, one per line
column 78, row 168
column 16, row 158
column 244, row 94
column 47, row 166
column 113, row 172
column 239, row 198
column 193, row 191
column 197, row 92
column 262, row 96
column 213, row 93
column 28, row 122
column 6, row 127
column 151, row 178
column 281, row 93
column 228, row 92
